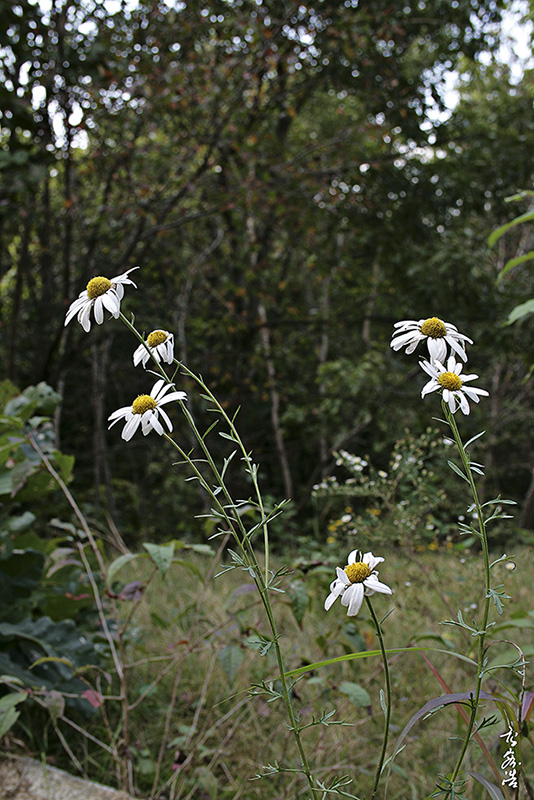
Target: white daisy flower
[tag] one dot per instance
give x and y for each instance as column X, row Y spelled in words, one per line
column 451, row 382
column 359, row 578
column 100, row 293
column 161, row 346
column 146, row 410
column 438, row 335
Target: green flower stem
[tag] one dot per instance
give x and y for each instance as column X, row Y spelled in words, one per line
column 249, row 555
column 245, row 454
column 380, row 635
column 251, row 468
column 464, row 456
column 236, row 525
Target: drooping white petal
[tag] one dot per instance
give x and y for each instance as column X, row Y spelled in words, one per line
column 375, row 585
column 84, row 317
column 165, row 417
column 131, row 426
column 437, row 349
column 353, row 598
column 99, row 310
column 112, row 303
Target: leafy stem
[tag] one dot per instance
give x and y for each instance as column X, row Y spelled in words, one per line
column 226, row 509
column 468, row 474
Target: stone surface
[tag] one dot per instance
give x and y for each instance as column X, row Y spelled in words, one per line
column 27, row 779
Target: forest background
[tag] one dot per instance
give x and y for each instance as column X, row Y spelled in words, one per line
column 291, row 182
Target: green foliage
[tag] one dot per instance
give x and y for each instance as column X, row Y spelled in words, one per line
column 405, row 503
column 43, row 590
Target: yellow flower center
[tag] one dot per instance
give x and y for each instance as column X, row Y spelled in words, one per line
column 155, row 338
column 450, row 380
column 143, row 403
column 434, row 328
column 358, row 572
column 98, row 286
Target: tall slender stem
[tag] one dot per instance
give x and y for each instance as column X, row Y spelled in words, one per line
column 466, row 463
column 223, row 504
column 387, row 714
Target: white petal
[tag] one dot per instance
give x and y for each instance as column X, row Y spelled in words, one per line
column 371, row 560
column 138, row 354
column 121, row 412
column 437, row 349
column 464, row 405
column 166, row 418
column 354, row 596
column 330, row 600
column 99, row 311
column 431, row 386
column 342, row 576
column 155, row 423
column 375, row 585
column 84, row 317
column 171, row 397
column 457, row 347
column 112, row 303
column 156, row 388
column 472, row 392
column 131, row 427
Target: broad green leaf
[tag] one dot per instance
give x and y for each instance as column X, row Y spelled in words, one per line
column 182, row 562
column 299, row 600
column 230, row 658
column 356, row 694
column 7, row 720
column 11, row 700
column 161, row 555
column 120, row 562
column 65, row 464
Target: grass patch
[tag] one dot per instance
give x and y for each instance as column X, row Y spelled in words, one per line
column 192, row 650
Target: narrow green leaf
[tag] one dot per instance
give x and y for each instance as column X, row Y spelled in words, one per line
column 474, row 438
column 520, row 311
column 458, row 471
column 514, row 262
column 496, row 235
column 374, row 654
column 493, row 791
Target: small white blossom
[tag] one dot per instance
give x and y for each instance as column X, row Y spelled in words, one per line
column 146, row 410
column 99, row 294
column 359, row 578
column 452, row 383
column 438, row 335
column 160, row 345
